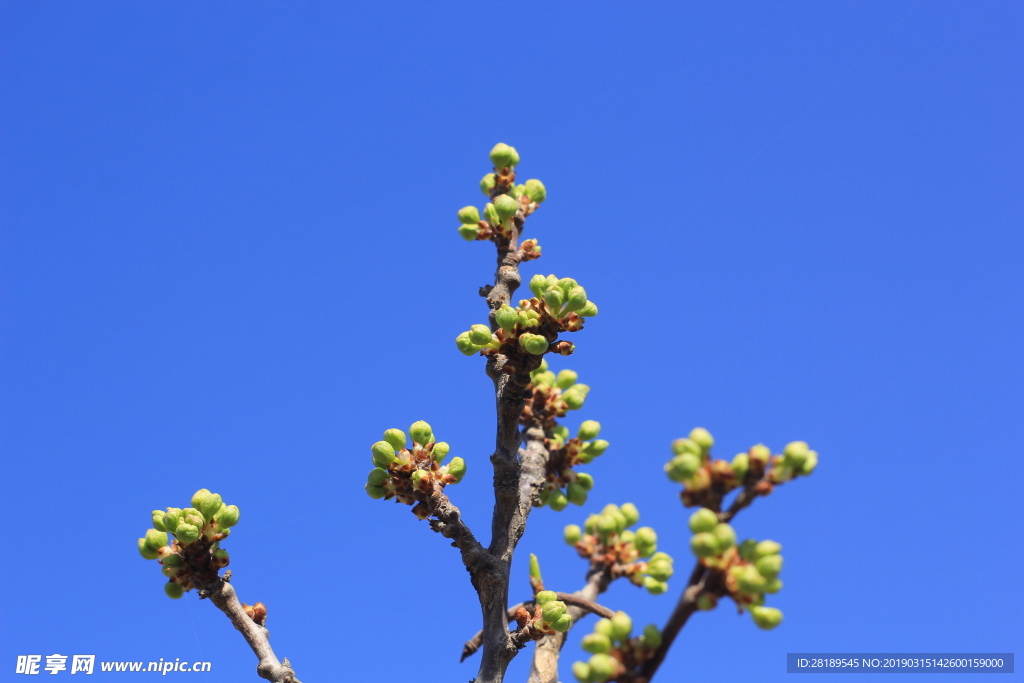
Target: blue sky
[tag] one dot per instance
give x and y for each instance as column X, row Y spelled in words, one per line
column 229, row 259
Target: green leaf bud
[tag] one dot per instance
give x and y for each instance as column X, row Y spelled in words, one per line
column 535, row 568
column 604, row 626
column 227, row 516
column 704, row 545
column 767, row 548
column 645, row 539
column 596, row 643
column 173, row 590
column 186, row 533
column 585, row 480
column 469, row 215
column 682, row 467
column 702, row 438
column 558, row 500
column 421, row 432
column 536, row 191
column 631, row 514
column 156, row 539
column 769, row 566
column 576, row 494
column 536, row 344
column 581, row 670
column 395, row 437
column 538, row 283
column 725, row 536
column 552, row 609
column 572, row 534
column 562, row 623
column 740, row 465
column 660, row 571
column 589, row 310
column 457, row 468
column 147, row 552
column 622, row 626
column 375, row 492
column 576, row 299
column 544, row 597
column 467, row 347
column 566, row 378
column 652, row 636
column 469, row 232
column 487, row 184
column 491, row 214
column 506, row 317
column 654, row 586
column 504, row 156
column 480, row 334
column 505, row 207
column 596, row 447
column 602, row 666
column 589, row 429
column 383, row 454
column 440, row 450
column 554, row 298
column 766, row 617
column 703, row 520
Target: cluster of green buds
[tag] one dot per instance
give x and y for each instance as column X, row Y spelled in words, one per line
column 744, row 572
column 549, row 615
column 508, row 202
column 193, row 556
column 707, row 480
column 562, row 300
column 607, row 541
column 411, row 475
column 614, row 654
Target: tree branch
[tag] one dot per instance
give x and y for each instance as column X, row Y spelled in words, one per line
column 544, row 668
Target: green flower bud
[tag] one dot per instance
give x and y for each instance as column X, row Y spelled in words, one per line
column 561, row 432
column 627, row 536
column 469, row 215
column 769, row 566
column 562, row 623
column 660, row 571
column 383, row 454
column 469, row 232
column 772, row 586
column 457, row 468
column 631, row 513
column 506, row 317
column 767, row 548
column 538, row 283
column 554, row 298
column 421, row 432
column 199, row 496
column 602, row 666
column 682, row 467
column 680, row 446
column 576, row 299
column 795, row 450
column 173, row 560
column 589, row 310
column 645, row 539
column 173, row 590
column 375, row 492
column 395, row 437
column 186, row 533
column 517, row 191
column 505, row 207
column 596, row 447
column 491, row 214
column 487, row 184
column 740, row 465
column 604, row 626
column 480, row 334
column 704, row 545
column 193, row 517
column 576, row 494
column 566, row 378
column 590, row 524
column 158, row 520
column 747, row 549
column 703, row 520
column 809, row 463
column 572, row 534
column 652, row 636
column 467, row 347
column 558, row 500
column 596, row 643
column 725, row 536
column 171, row 518
column 156, row 539
column 760, row 453
column 227, row 516
column 702, row 438
column 574, row 398
column 622, row 626
column 440, row 450
column 416, row 477
column 552, row 609
column 750, row 580
column 653, row 586
column 535, row 191
column 210, row 505
column 536, row 344
column 706, row 602
column 581, row 670
column 606, row 525
column 766, row 617
column 589, row 430
column 544, row 597
column 585, row 480
column 504, row 156
column 147, row 552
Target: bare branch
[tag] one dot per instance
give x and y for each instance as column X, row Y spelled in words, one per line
column 686, row 606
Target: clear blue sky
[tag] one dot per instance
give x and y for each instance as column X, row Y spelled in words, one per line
column 229, row 259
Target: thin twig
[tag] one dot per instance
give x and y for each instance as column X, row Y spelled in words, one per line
column 686, row 606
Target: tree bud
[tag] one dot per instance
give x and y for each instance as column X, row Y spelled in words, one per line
column 480, row 334
column 590, row 524
column 416, row 477
column 469, row 215
column 535, row 344
column 772, row 585
column 702, row 438
column 506, row 317
column 680, row 446
column 631, row 514
column 535, row 191
column 173, row 590
column 487, row 184
column 574, row 398
column 704, row 545
column 654, row 586
column 809, row 463
column 576, row 299
column 504, row 156
column 554, row 298
column 766, row 617
column 682, row 467
column 566, row 378
column 748, row 549
column 627, row 536
column 589, row 310
column 703, row 520
column 769, row 566
column 562, row 623
column 706, row 602
column 227, row 516
column 602, row 666
column 725, row 536
column 761, row 454
column 469, row 232
column 210, row 505
column 572, row 534
column 457, row 468
column 375, row 492
column 186, row 533
column 557, row 500
column 421, row 432
column 505, row 207
column 158, row 520
column 467, row 347
column 597, row 643
column 383, row 454
column 589, row 429
column 552, row 609
column 596, row 447
column 604, row 626
column 440, row 450
column 645, row 539
column 517, row 191
column 544, row 597
column 585, row 480
column 652, row 636
column 538, row 283
column 660, row 571
column 795, row 450
column 156, row 539
column 576, row 494
column 491, row 214
column 622, row 626
column 750, row 580
column 395, row 437
column 740, row 465
column 767, row 548
column 581, row 670
column 171, row 518
column 146, row 551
